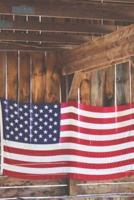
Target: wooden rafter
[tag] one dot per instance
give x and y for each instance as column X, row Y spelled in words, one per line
column 47, row 25
column 69, row 9
column 58, row 38
column 100, row 53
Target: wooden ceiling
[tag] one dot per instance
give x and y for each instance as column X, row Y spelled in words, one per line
column 59, row 24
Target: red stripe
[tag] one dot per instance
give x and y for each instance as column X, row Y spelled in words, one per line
column 94, row 131
column 68, row 164
column 72, row 176
column 97, row 143
column 97, row 108
column 68, row 152
column 96, row 120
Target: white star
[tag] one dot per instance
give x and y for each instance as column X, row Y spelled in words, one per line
column 54, row 139
column 12, row 116
column 15, row 105
column 31, row 135
column 55, row 123
column 45, row 123
column 16, row 129
column 50, row 126
column 46, row 107
column 21, row 117
column 36, row 115
column 16, row 113
column 50, row 119
column 25, row 130
column 7, row 118
column 5, row 102
column 20, row 134
column 35, row 131
column 11, row 107
column 16, row 137
column 40, row 136
column 50, row 111
column 11, row 132
column 31, row 111
column 6, row 110
column 40, row 119
column 16, row 121
column 7, row 127
column 21, row 109
column 45, row 140
column 26, row 114
column 25, row 139
column 21, row 126
column 55, row 114
column 50, row 135
column 55, row 106
column 45, row 131
column 25, row 106
column 35, row 140
column 31, row 119
column 7, row 136
column 30, row 127
column 35, row 107
column 35, row 123
column 11, row 124
column 41, row 111
column 46, row 115
column 55, row 131
column 25, row 122
column 40, row 127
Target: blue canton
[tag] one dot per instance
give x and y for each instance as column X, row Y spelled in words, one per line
column 31, row 123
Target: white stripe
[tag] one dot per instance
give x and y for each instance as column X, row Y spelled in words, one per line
column 65, row 170
column 92, row 114
column 1, row 133
column 66, row 158
column 89, row 137
column 69, row 145
column 97, row 126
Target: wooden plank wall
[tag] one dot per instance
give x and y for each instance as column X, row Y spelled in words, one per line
column 107, row 87
column 33, row 77
column 36, row 77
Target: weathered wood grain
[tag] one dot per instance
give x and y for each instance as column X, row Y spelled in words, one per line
column 100, row 53
column 38, row 86
column 109, row 87
column 2, row 74
column 52, row 78
column 122, row 82
column 24, row 77
column 12, row 76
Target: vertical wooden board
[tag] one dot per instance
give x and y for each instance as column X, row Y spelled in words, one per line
column 37, row 69
column 122, row 84
column 53, row 78
column 2, row 73
column 132, row 80
column 97, row 87
column 85, row 89
column 24, row 77
column 12, row 76
column 109, row 88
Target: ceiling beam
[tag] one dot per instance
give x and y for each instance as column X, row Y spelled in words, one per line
column 100, row 53
column 59, row 38
column 6, row 46
column 68, row 9
column 47, row 25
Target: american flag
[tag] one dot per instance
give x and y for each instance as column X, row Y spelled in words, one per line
column 67, row 140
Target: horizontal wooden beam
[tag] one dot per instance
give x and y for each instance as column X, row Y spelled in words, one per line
column 31, row 47
column 59, row 38
column 47, row 25
column 102, row 52
column 69, row 9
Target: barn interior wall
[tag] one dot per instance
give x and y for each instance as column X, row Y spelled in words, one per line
column 36, row 77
